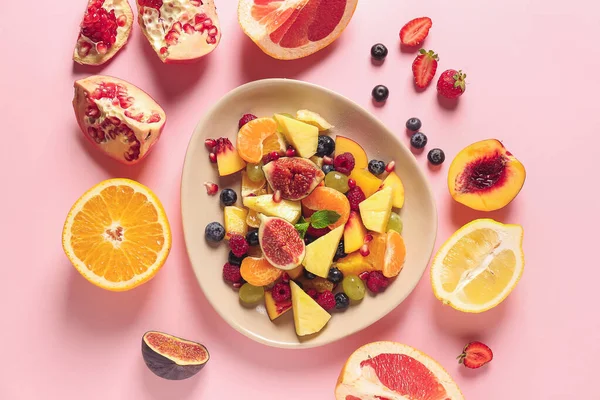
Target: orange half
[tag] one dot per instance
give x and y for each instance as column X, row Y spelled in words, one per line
column 251, row 137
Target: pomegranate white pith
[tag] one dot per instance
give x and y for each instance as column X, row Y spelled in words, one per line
column 180, row 30
column 104, row 30
column 117, row 117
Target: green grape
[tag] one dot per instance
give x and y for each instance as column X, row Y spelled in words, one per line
column 337, row 181
column 251, row 294
column 255, row 172
column 354, row 287
column 395, row 223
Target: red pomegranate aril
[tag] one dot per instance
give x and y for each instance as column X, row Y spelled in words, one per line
column 122, row 20
column 351, row 183
column 137, row 117
column 196, row 3
column 273, row 156
column 84, row 49
column 327, row 160
column 199, row 18
column 210, row 143
column 391, row 166
column 368, row 237
column 101, row 48
column 277, row 196
column 290, row 152
column 177, row 27
column 211, row 188
column 212, row 157
column 187, row 28
column 163, row 50
column 154, row 118
column 364, row 250
column 237, row 285
column 114, row 120
column 285, row 278
column 364, row 275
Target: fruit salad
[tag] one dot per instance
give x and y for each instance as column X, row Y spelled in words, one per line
column 315, row 224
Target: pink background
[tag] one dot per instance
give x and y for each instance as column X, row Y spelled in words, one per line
column 532, row 70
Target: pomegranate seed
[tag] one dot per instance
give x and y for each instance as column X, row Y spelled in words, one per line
column 285, row 277
column 368, row 237
column 187, row 28
column 327, row 160
column 237, row 285
column 364, row 250
column 84, row 49
column 177, row 27
column 363, row 275
column 351, row 183
column 290, row 152
column 211, row 188
column 196, row 3
column 122, row 20
column 163, row 50
column 154, row 118
column 273, row 156
column 391, row 166
column 212, row 157
column 277, row 196
column 211, row 40
column 101, row 48
column 210, row 143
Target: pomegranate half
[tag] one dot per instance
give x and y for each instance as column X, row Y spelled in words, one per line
column 105, row 29
column 180, row 30
column 119, row 118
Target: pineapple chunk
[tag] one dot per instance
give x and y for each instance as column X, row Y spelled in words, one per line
column 320, row 253
column 375, row 211
column 288, row 210
column 302, row 136
column 309, row 316
column 235, row 221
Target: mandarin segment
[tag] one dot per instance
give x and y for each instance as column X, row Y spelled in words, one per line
column 251, row 137
column 324, row 198
column 259, row 272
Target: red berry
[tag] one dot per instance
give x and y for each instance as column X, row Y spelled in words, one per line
column 312, row 293
column 290, row 152
column 376, row 282
column 210, row 144
column 364, row 250
column 351, row 183
column 245, row 119
column 415, row 31
column 355, row 195
column 238, row 245
column 326, row 300
column 285, row 278
column 390, row 166
column 211, row 188
column 424, row 67
column 368, row 238
column 273, row 156
column 212, row 157
column 231, row 273
column 344, row 163
column 364, row 275
column 281, row 292
column 475, row 355
column 451, row 84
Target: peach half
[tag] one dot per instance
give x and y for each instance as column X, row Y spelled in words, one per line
column 485, row 176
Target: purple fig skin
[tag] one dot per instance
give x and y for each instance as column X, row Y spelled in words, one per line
column 166, row 368
column 294, row 177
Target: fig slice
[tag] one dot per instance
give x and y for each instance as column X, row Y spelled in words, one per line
column 294, row 177
column 280, row 243
column 173, row 358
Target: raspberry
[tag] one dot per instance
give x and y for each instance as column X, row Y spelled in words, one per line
column 355, row 196
column 344, row 163
column 245, row 119
column 312, row 293
column 231, row 273
column 281, row 292
column 238, row 245
column 326, row 300
column 376, row 282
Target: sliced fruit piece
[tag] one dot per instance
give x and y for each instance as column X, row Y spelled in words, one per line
column 395, row 254
column 375, row 210
column 251, row 136
column 291, row 30
column 302, row 136
column 485, row 176
column 320, row 253
column 319, row 284
column 253, row 219
column 355, row 264
column 275, row 143
column 415, row 31
column 235, row 221
column 180, row 31
column 390, row 370
column 354, row 233
column 280, row 243
column 393, row 181
column 309, row 316
column 251, row 188
column 117, row 117
column 296, row 272
column 365, row 180
column 294, row 177
column 288, row 210
column 478, row 266
column 312, row 118
column 117, row 235
column 259, row 271
column 475, row 355
column 324, row 198
column 105, row 29
column 276, row 310
column 317, row 160
column 173, row 358
column 347, row 145
column 424, row 67
column 228, row 160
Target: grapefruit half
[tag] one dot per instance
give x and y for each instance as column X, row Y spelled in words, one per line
column 394, row 371
column 291, row 29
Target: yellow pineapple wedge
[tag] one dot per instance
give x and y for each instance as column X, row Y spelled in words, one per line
column 320, row 253
column 302, row 136
column 235, row 220
column 285, row 209
column 393, row 181
column 312, row 118
column 309, row 316
column 375, row 211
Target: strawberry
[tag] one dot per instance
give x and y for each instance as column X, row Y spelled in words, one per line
column 451, row 83
column 475, row 355
column 415, row 31
column 424, row 67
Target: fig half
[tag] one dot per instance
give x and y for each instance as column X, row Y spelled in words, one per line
column 280, row 243
column 171, row 357
column 294, row 177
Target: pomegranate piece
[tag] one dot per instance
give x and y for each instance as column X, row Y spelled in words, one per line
column 117, row 117
column 180, row 30
column 105, row 29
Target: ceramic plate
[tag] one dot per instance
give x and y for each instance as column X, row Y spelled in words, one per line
column 264, row 98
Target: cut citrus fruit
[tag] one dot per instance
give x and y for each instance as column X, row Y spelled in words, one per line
column 395, row 253
column 259, row 272
column 478, row 267
column 294, row 29
column 389, row 370
column 117, row 235
column 251, row 137
column 274, row 143
column 325, row 198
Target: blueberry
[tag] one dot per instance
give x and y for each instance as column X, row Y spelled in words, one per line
column 214, row 232
column 413, row 124
column 235, row 260
column 308, row 239
column 380, row 93
column 228, row 197
column 335, row 276
column 379, row 51
column 309, row 275
column 340, row 253
column 341, row 301
column 327, row 168
column 418, row 140
column 325, row 146
column 436, row 156
column 252, row 238
column 376, row 167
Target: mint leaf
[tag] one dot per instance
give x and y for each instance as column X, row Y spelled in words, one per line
column 302, row 227
column 323, row 218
